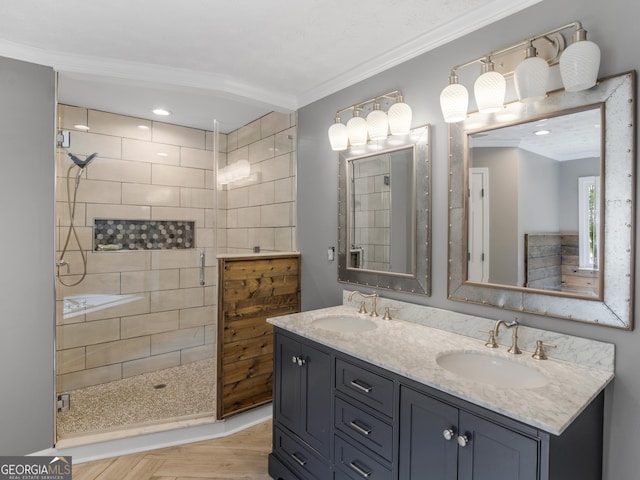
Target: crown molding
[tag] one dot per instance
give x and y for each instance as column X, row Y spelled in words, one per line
column 463, row 25
column 120, row 70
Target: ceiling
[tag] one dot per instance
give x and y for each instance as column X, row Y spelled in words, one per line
column 232, row 61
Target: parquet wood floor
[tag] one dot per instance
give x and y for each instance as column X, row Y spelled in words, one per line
column 242, row 455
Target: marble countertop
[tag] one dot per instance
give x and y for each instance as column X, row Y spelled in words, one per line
column 411, row 350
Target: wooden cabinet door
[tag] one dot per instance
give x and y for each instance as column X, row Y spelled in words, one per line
column 425, row 453
column 494, row 452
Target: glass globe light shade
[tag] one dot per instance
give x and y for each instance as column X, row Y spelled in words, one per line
column 490, row 89
column 531, row 77
column 454, row 102
column 357, row 130
column 338, row 136
column 377, row 124
column 400, row 118
column 579, row 63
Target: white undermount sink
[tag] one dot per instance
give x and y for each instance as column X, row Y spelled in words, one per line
column 491, row 370
column 344, row 323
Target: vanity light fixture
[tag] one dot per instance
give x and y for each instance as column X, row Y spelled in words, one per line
column 378, row 124
column 579, row 65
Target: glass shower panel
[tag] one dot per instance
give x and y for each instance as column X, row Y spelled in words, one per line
column 135, row 290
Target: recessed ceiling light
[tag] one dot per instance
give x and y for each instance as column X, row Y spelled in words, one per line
column 161, row 111
column 542, row 132
column 81, row 127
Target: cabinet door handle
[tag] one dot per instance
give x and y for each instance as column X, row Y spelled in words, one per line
column 463, row 440
column 448, row 434
column 301, row 461
column 301, row 361
column 360, row 385
column 294, row 359
column 359, row 470
column 363, row 429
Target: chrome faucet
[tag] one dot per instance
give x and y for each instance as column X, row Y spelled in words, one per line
column 514, row 335
column 374, row 301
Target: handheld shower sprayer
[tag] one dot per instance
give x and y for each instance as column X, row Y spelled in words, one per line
column 82, row 163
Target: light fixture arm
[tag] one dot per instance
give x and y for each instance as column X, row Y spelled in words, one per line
column 393, row 95
column 524, row 43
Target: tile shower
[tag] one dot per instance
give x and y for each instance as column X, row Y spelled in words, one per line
column 147, row 208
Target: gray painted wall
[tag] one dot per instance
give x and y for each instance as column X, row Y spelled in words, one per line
column 27, row 131
column 613, row 25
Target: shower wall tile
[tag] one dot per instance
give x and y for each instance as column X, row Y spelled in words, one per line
column 149, row 324
column 197, row 317
column 68, row 116
column 105, row 262
column 197, row 198
column 120, row 171
column 249, row 133
column 150, row 152
column 71, row 360
column 262, row 150
column 178, row 176
column 236, row 155
column 119, row 125
column 262, row 237
column 150, row 280
column 176, row 299
column 209, row 180
column 284, row 190
column 94, row 191
column 135, row 194
column 84, row 143
column 190, row 277
column 88, row 333
column 119, row 351
column 63, row 217
column 178, row 340
column 232, row 141
column 177, row 135
column 123, row 212
column 150, row 364
column 187, row 214
column 74, row 259
column 196, row 158
column 262, row 194
column 87, row 378
column 134, row 304
column 105, row 283
column 210, row 335
column 277, row 215
column 195, row 354
column 285, row 239
column 274, row 122
column 276, row 168
column 205, row 238
column 211, row 295
column 285, row 142
column 247, row 217
column 238, row 198
column 169, row 259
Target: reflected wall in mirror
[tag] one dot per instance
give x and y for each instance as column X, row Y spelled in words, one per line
column 534, row 208
column 555, row 224
column 384, row 212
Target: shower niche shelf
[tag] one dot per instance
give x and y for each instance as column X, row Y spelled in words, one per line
column 117, row 235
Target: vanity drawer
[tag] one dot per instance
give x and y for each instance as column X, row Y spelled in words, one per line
column 370, row 388
column 354, row 464
column 300, row 458
column 366, row 429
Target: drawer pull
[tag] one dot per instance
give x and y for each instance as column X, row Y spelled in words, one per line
column 363, row 429
column 359, row 470
column 302, row 462
column 361, row 386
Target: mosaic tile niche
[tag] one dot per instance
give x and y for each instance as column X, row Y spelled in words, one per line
column 110, row 234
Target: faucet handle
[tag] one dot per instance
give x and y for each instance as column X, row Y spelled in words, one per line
column 363, row 307
column 491, row 341
column 540, row 354
column 387, row 314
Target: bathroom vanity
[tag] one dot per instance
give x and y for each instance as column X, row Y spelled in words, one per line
column 371, row 400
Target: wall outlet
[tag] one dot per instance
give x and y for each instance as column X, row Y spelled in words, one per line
column 331, row 254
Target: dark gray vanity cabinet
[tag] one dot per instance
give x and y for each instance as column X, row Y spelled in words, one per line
column 302, row 410
column 441, row 442
column 340, row 418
